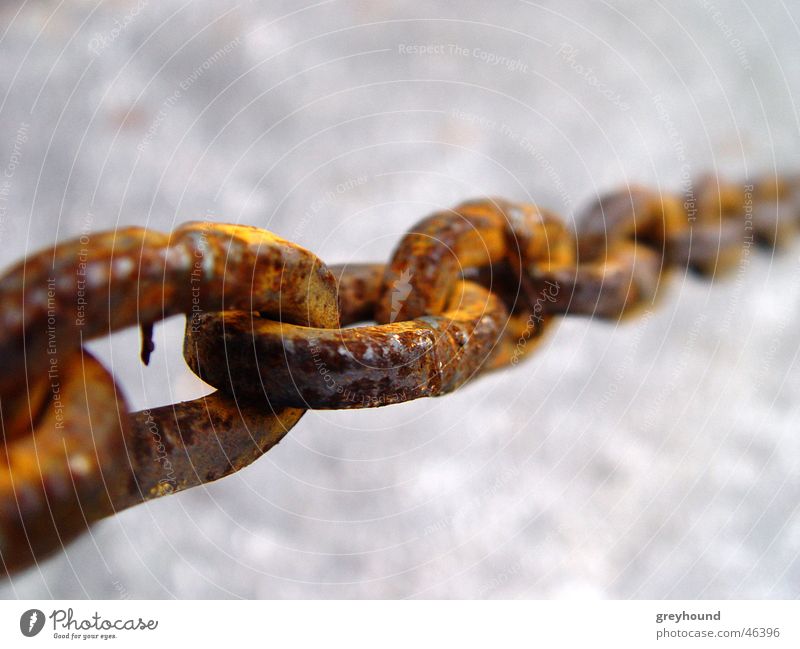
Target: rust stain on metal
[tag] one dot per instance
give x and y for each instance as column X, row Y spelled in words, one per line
column 269, row 325
column 304, row 367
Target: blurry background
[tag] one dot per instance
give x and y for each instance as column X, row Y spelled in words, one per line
column 650, row 458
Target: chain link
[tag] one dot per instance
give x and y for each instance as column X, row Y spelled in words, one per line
column 270, row 327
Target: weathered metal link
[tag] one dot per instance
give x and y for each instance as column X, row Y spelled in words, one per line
column 428, row 342
column 706, row 248
column 627, row 279
column 776, row 211
column 477, row 233
column 628, row 240
column 53, row 302
column 766, row 210
column 72, row 453
column 53, row 481
column 186, row 444
column 636, row 214
column 625, row 244
column 358, row 288
column 289, row 365
column 57, row 481
column 269, row 326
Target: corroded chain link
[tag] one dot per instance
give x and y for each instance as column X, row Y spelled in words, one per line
column 268, row 325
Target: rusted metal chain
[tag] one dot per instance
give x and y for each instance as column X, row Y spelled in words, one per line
column 72, row 453
column 270, row 327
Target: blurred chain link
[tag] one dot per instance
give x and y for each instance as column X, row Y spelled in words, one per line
column 269, row 326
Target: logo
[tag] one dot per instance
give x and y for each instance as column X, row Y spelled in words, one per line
column 401, row 289
column 31, row 622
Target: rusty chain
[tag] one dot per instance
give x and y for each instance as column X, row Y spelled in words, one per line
column 268, row 325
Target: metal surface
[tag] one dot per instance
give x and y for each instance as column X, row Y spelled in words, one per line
column 465, row 291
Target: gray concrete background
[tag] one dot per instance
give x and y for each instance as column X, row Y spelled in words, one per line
column 652, row 458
